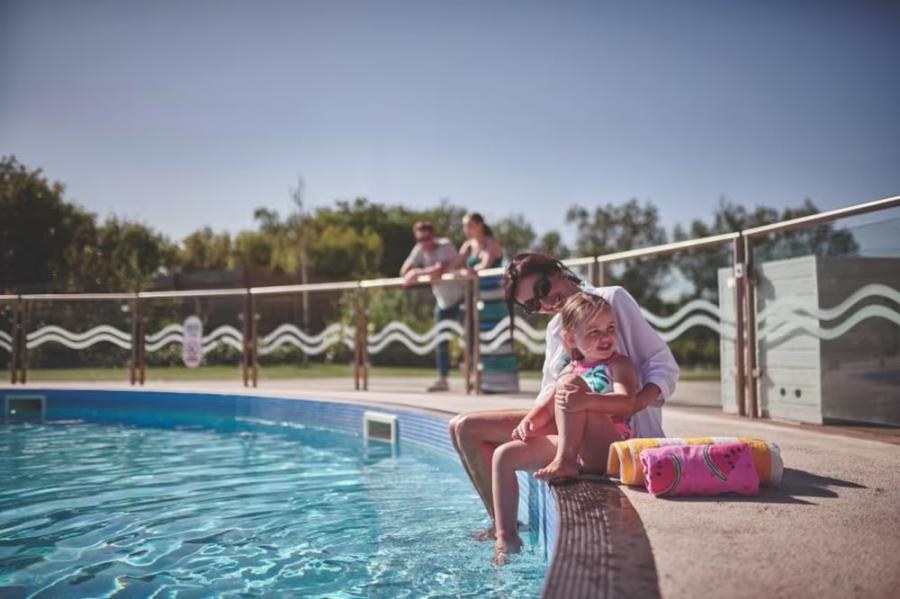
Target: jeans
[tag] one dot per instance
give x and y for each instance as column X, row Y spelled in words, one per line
column 442, row 354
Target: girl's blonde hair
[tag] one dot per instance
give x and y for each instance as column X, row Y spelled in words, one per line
column 579, row 309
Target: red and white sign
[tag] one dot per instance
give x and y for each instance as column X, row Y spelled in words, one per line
column 192, row 342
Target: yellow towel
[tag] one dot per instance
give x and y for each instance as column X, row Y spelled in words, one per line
column 625, row 456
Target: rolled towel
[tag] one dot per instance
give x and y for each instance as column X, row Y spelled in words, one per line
column 625, row 456
column 700, row 470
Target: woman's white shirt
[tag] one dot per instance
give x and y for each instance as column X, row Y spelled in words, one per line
column 652, row 358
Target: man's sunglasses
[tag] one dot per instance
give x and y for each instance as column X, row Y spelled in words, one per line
column 539, row 291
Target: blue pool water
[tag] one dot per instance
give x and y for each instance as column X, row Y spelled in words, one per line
column 243, row 508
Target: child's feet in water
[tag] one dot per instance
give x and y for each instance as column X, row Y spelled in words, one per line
column 490, row 533
column 558, row 469
column 504, row 546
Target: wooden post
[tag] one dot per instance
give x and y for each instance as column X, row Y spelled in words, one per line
column 133, row 365
column 16, row 352
column 254, row 333
column 23, row 343
column 245, row 353
column 468, row 338
column 364, row 312
column 357, row 338
column 476, row 337
column 739, row 273
column 142, row 343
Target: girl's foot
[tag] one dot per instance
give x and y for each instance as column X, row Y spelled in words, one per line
column 484, row 534
column 503, row 547
column 557, row 469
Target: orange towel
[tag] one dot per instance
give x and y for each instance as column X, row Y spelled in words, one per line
column 625, row 456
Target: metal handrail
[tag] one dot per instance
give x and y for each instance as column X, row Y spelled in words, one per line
column 670, row 248
column 233, row 292
column 77, row 296
column 823, row 217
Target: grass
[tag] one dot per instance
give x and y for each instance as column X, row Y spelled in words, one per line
column 278, row 371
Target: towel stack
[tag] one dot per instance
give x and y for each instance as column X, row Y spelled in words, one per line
column 625, row 456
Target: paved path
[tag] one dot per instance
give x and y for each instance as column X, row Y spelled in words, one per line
column 832, row 529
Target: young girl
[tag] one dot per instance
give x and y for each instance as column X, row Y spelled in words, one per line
column 589, row 332
column 593, row 399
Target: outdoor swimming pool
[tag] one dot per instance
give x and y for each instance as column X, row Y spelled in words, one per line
column 220, row 501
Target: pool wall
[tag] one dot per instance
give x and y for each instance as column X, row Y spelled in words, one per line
column 173, row 409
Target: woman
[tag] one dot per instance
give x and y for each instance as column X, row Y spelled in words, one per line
column 541, row 284
column 481, row 250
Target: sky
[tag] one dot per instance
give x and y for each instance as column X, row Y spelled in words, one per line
column 190, row 114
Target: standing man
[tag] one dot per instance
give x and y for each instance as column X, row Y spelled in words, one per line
column 433, row 257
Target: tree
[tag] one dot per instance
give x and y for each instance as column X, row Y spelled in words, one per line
column 616, row 228
column 514, row 234
column 206, row 250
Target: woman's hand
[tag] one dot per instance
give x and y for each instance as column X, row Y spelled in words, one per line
column 524, row 430
column 572, row 394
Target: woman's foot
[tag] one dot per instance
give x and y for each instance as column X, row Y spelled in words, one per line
column 557, row 469
column 484, row 534
column 503, row 547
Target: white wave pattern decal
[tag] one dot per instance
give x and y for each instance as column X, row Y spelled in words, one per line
column 98, row 334
column 525, row 334
column 288, row 334
column 174, row 333
column 787, row 317
column 688, row 316
column 6, row 341
column 421, row 344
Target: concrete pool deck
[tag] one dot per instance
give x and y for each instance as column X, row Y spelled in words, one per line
column 831, row 529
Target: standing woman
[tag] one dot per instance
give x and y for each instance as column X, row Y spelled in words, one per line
column 481, row 250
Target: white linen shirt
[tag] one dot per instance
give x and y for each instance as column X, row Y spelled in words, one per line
column 652, row 358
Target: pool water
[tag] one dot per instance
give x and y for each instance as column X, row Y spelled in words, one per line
column 244, row 509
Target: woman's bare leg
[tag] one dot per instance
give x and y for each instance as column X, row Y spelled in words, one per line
column 475, row 435
column 507, row 459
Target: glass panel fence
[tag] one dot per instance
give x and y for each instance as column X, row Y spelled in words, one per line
column 828, row 321
column 75, row 340
column 193, row 338
column 306, row 337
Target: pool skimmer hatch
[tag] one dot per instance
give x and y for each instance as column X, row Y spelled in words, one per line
column 24, row 408
column 378, row 426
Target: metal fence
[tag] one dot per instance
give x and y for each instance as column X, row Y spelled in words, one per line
column 721, row 317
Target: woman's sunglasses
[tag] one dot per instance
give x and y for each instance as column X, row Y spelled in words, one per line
column 539, row 291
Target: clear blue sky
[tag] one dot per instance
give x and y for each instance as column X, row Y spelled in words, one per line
column 185, row 114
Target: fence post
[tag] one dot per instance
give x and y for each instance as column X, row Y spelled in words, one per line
column 23, row 343
column 468, row 337
column 14, row 359
column 254, row 333
column 142, row 344
column 245, row 353
column 357, row 338
column 135, row 318
column 598, row 274
column 364, row 343
column 751, row 374
column 476, row 335
column 739, row 273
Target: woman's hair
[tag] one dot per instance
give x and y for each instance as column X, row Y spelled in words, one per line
column 579, row 309
column 476, row 218
column 527, row 264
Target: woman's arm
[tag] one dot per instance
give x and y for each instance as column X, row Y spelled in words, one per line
column 648, row 352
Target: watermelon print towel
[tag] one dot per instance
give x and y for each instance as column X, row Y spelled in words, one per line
column 700, row 470
column 625, row 456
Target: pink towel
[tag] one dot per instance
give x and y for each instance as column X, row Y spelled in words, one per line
column 700, row 470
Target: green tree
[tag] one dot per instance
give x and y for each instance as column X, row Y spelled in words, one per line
column 206, row 250
column 515, row 235
column 613, row 228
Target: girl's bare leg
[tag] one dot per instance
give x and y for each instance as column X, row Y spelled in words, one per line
column 571, row 427
column 507, row 459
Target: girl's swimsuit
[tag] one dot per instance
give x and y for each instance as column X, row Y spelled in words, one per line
column 597, row 376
